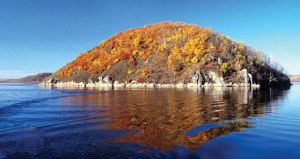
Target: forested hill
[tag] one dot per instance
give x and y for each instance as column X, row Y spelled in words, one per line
column 170, row 53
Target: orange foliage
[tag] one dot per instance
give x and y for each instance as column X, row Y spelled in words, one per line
column 184, row 45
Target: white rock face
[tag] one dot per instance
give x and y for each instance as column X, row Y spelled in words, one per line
column 107, row 79
column 212, row 80
column 251, row 79
column 117, row 84
column 90, row 85
column 150, row 85
column 217, row 81
column 246, row 77
column 179, row 85
column 192, row 85
column 70, row 84
column 196, row 80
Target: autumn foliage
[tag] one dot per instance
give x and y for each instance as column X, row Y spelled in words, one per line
column 183, row 45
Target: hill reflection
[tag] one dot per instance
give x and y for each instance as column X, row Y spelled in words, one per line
column 166, row 118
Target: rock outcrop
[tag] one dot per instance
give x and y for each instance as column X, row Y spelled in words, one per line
column 198, row 80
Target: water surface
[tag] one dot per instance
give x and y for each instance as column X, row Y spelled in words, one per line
column 149, row 123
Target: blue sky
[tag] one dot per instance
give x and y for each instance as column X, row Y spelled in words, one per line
column 43, row 35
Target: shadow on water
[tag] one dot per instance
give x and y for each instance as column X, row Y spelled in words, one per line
column 112, row 124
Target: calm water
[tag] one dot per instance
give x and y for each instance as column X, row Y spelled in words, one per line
column 153, row 123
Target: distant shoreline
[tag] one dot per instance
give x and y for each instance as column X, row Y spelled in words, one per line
column 34, row 79
column 295, row 78
column 8, row 82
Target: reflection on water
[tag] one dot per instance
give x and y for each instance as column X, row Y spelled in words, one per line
column 148, row 123
column 166, row 118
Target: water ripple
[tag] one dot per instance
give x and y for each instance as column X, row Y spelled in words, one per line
column 148, row 123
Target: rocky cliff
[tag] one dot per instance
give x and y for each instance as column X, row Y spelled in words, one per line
column 168, row 55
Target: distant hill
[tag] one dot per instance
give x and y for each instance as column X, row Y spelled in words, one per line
column 170, row 53
column 295, row 77
column 28, row 79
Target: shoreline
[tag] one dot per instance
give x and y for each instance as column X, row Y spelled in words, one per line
column 134, row 84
